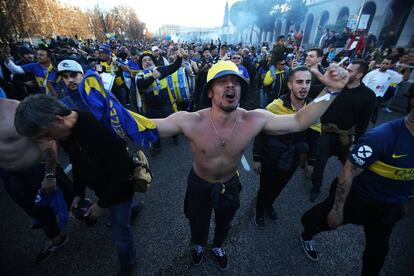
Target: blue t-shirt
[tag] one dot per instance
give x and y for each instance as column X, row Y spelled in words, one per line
column 42, row 75
column 386, row 153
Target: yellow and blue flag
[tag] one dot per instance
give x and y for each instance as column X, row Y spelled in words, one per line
column 106, row 108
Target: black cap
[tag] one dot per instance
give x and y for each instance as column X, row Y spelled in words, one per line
column 25, row 51
column 44, row 47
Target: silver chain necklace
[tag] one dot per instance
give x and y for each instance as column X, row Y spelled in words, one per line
column 223, row 140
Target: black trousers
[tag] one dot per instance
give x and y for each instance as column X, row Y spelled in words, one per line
column 378, row 219
column 377, row 106
column 201, row 198
column 328, row 145
column 23, row 186
column 272, row 182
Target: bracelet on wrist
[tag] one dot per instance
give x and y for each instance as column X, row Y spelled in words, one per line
column 333, row 93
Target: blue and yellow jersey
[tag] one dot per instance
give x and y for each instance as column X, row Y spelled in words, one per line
column 386, row 153
column 107, row 67
column 42, row 75
column 283, row 106
column 158, row 93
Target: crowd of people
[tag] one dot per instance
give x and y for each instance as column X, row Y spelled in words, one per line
column 299, row 106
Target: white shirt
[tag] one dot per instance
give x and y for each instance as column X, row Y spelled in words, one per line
column 379, row 81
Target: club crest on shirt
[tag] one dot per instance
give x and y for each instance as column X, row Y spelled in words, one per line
column 364, row 151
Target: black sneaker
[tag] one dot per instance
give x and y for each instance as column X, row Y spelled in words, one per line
column 51, row 249
column 272, row 214
column 221, row 258
column 197, row 255
column 309, row 249
column 259, row 220
column 314, row 193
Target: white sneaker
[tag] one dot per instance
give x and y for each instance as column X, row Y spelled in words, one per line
column 386, row 109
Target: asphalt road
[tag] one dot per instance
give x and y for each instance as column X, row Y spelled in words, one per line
column 162, row 235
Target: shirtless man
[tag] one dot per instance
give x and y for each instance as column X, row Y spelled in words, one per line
column 218, row 137
column 24, row 174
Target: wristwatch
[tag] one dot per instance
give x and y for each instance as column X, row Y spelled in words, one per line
column 50, row 176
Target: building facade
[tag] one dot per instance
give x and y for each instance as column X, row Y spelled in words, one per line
column 380, row 17
column 392, row 19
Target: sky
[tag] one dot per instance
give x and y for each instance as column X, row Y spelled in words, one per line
column 155, row 13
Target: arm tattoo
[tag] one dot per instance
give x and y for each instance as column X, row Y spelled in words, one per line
column 340, row 196
column 344, row 185
column 49, row 156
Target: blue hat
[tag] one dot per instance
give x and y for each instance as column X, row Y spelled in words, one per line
column 106, row 49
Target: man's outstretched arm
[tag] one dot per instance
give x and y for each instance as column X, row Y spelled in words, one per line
column 172, row 125
column 334, row 79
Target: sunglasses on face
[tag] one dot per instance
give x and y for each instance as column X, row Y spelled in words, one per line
column 236, row 58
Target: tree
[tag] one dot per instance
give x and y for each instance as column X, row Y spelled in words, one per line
column 26, row 18
column 296, row 14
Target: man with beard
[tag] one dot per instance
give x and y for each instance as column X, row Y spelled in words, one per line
column 349, row 116
column 43, row 69
column 372, row 190
column 218, row 136
column 313, row 61
column 379, row 81
column 160, row 59
column 25, row 84
column 276, row 158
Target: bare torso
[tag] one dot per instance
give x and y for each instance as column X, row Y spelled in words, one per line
column 214, row 162
column 16, row 152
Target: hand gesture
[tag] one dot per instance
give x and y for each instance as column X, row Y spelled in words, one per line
column 335, row 218
column 335, row 78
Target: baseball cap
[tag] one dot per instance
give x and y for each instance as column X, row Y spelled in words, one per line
column 68, row 65
column 25, row 50
column 154, row 48
column 106, row 49
column 225, row 68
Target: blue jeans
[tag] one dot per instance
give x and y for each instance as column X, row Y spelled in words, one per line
column 122, row 234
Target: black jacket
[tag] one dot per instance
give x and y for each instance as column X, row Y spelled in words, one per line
column 269, row 148
column 100, row 161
